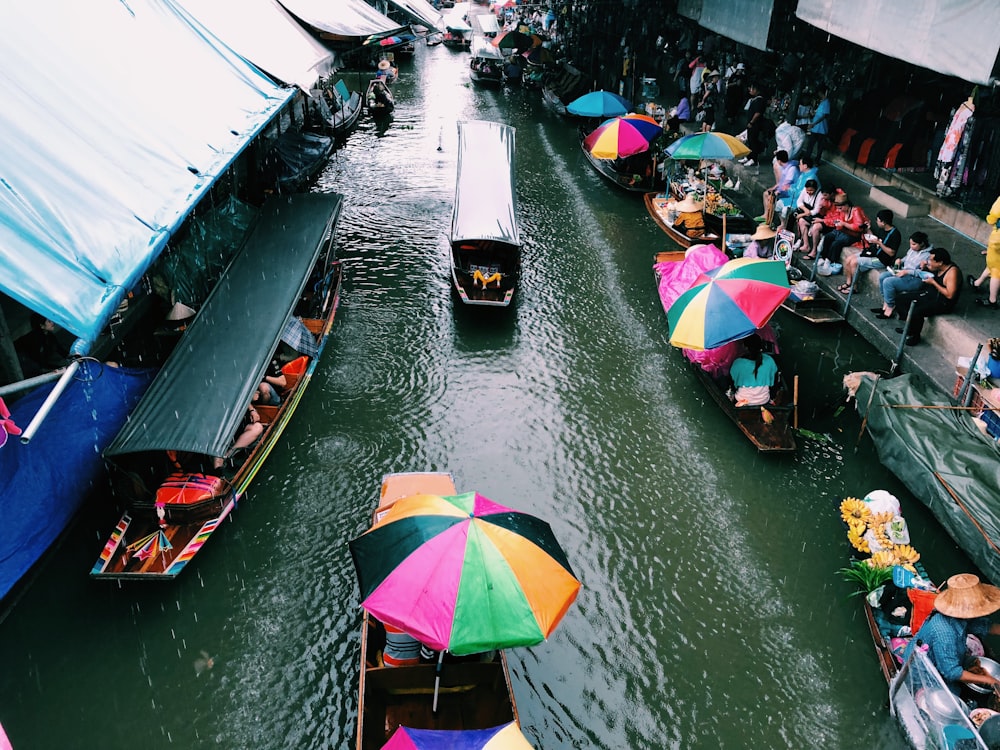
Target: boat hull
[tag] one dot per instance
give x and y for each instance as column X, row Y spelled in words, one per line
column 632, row 183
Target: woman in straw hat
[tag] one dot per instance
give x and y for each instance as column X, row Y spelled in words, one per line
column 762, row 243
column 960, row 610
column 690, row 219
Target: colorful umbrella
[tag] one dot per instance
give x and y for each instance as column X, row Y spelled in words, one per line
column 539, row 56
column 599, row 104
column 707, row 146
column 515, row 40
column 617, row 138
column 645, row 124
column 463, row 573
column 727, row 303
column 504, row 737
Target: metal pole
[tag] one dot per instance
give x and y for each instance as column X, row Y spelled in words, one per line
column 23, row 385
column 902, row 343
column 850, row 292
column 45, row 408
column 967, row 382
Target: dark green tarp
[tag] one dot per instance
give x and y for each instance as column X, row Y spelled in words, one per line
column 932, row 450
column 200, row 395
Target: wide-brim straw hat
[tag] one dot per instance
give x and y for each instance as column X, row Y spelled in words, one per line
column 966, row 597
column 384, row 65
column 764, row 232
column 689, row 204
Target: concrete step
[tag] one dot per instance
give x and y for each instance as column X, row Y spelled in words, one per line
column 902, row 203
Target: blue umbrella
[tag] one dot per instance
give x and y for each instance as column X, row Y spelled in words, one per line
column 599, row 104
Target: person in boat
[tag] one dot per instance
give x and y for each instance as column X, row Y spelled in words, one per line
column 401, row 648
column 39, row 350
column 251, row 429
column 269, row 391
column 689, row 220
column 962, row 609
column 753, row 374
column 761, row 243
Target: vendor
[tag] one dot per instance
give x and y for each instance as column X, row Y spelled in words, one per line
column 961, row 609
column 753, row 374
column 762, row 243
column 690, row 220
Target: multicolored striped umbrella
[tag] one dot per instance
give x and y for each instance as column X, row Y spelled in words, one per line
column 464, row 574
column 728, row 303
column 707, row 146
column 618, row 137
column 504, row 737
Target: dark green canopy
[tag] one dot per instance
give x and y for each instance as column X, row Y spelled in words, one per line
column 199, row 397
column 943, row 459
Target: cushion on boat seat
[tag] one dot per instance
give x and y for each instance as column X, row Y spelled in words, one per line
column 293, row 371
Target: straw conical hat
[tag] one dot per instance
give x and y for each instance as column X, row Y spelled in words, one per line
column 383, row 65
column 967, row 597
column 764, row 232
column 689, row 204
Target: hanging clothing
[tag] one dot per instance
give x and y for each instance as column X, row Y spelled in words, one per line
column 953, row 136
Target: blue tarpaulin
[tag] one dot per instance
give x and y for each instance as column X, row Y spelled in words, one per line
column 110, row 139
column 44, row 483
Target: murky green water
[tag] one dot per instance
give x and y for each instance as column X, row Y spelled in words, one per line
column 711, row 615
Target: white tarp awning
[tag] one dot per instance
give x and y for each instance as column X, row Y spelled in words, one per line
column 264, row 33
column 115, row 119
column 421, row 12
column 341, row 18
column 745, row 21
column 954, row 37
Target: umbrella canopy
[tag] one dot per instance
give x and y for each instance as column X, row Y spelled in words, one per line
column 539, row 56
column 617, row 138
column 727, row 303
column 464, row 574
column 504, row 737
column 599, row 104
column 515, row 40
column 645, row 124
column 707, row 146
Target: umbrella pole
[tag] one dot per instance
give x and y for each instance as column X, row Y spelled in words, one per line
column 724, row 234
column 437, row 680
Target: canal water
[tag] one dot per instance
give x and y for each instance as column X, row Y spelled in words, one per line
column 711, row 613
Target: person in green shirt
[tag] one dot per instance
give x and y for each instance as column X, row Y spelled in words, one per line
column 753, row 374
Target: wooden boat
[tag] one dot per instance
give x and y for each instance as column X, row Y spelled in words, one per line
column 820, row 308
column 486, row 64
column 774, row 436
column 928, row 713
column 379, row 99
column 561, row 86
column 162, row 459
column 639, row 178
column 656, row 204
column 300, row 155
column 474, row 694
column 485, row 239
column 339, row 109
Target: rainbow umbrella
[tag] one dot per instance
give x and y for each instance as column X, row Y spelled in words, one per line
column 464, row 574
column 707, row 146
column 504, row 737
column 599, row 104
column 727, row 303
column 618, row 137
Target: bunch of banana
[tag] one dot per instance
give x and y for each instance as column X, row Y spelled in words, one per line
column 852, row 509
column 882, row 559
column 905, row 554
column 858, row 541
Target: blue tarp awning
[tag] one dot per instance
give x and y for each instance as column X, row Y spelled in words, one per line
column 110, row 139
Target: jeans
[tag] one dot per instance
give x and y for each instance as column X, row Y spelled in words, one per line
column 892, row 285
column 833, row 243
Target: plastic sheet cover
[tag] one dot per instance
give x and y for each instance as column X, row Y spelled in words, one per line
column 110, row 138
column 45, row 482
column 267, row 36
column 341, row 18
column 943, row 459
column 485, row 198
column 953, row 37
column 745, row 21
